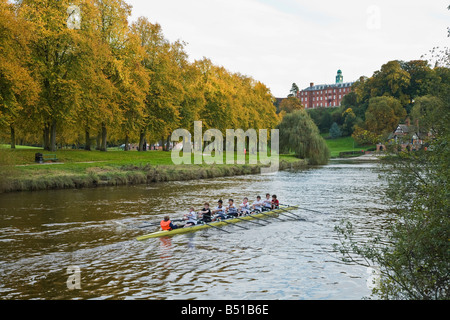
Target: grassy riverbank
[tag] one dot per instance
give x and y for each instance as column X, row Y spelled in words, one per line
column 78, row 169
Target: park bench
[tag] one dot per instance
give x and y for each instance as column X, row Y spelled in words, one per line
column 50, row 157
column 40, row 158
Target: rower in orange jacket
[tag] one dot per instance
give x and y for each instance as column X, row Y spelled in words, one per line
column 166, row 224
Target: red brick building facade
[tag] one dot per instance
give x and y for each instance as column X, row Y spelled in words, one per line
column 325, row 95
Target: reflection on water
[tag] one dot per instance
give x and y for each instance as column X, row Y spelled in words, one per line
column 43, row 233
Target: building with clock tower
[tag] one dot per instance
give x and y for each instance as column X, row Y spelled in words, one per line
column 325, row 95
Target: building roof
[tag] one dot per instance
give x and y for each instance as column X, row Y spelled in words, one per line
column 327, row 86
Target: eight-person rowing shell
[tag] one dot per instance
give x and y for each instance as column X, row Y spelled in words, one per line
column 220, row 212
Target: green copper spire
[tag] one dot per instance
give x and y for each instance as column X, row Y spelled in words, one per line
column 339, row 77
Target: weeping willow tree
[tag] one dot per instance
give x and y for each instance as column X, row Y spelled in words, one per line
column 300, row 135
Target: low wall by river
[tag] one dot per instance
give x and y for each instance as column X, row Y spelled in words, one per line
column 131, row 175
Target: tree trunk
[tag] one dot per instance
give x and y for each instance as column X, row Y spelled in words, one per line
column 13, row 137
column 99, row 136
column 127, row 147
column 46, row 136
column 162, row 144
column 141, row 140
column 53, row 136
column 168, row 142
column 103, row 146
column 88, row 140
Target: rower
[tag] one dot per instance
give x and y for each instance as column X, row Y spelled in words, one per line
column 244, row 207
column 275, row 202
column 231, row 209
column 257, row 205
column 191, row 218
column 219, row 211
column 166, row 224
column 205, row 213
column 267, row 203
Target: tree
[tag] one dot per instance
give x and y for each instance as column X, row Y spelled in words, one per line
column 422, row 79
column 56, row 53
column 365, row 137
column 391, row 80
column 133, row 86
column 335, row 132
column 291, row 104
column 18, row 88
column 299, row 134
column 349, row 122
column 383, row 115
column 411, row 251
column 429, row 114
column 113, row 28
column 294, row 91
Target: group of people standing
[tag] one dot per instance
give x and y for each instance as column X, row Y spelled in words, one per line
column 220, row 212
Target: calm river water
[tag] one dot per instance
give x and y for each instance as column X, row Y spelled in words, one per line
column 42, row 234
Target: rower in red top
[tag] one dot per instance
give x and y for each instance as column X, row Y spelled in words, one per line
column 275, row 202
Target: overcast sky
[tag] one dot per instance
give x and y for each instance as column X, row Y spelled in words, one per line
column 285, row 41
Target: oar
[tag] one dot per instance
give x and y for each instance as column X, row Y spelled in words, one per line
column 271, row 216
column 249, row 221
column 290, row 213
column 216, row 227
column 308, row 209
column 297, row 218
column 260, row 218
column 233, row 224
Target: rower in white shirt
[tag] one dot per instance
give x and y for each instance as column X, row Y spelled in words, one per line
column 244, row 207
column 191, row 217
column 231, row 208
column 267, row 202
column 257, row 205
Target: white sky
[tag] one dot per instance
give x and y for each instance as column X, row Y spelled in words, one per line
column 279, row 42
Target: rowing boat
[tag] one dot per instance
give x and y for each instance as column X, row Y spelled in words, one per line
column 166, row 233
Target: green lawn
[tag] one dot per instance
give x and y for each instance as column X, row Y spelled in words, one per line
column 77, row 168
column 7, row 146
column 343, row 144
column 80, row 160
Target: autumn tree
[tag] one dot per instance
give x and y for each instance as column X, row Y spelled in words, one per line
column 93, row 74
column 56, row 55
column 113, row 28
column 18, row 88
column 291, row 104
column 383, row 115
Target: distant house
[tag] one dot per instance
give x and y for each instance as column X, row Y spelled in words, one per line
column 406, row 137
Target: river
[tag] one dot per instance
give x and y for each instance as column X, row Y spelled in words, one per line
column 46, row 235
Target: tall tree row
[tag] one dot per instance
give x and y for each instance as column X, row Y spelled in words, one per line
column 81, row 72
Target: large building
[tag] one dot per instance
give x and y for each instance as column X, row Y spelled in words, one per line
column 325, row 95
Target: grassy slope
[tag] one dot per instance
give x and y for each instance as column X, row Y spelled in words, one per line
column 342, row 145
